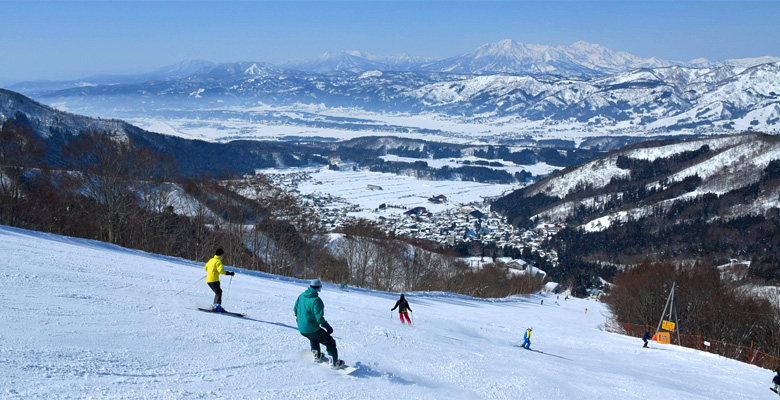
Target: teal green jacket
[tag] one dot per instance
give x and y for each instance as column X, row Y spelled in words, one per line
column 309, row 311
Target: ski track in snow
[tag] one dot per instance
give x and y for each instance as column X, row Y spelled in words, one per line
column 84, row 319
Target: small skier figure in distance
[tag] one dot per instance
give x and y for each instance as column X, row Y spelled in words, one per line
column 402, row 305
column 343, row 285
column 310, row 315
column 776, row 380
column 213, row 271
column 527, row 339
column 646, row 337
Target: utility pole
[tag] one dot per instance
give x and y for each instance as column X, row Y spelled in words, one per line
column 672, row 300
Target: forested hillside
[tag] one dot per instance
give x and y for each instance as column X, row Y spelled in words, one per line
column 711, row 199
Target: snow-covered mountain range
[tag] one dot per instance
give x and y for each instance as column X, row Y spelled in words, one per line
column 583, row 88
column 178, row 70
column 580, row 59
column 357, row 61
column 642, row 101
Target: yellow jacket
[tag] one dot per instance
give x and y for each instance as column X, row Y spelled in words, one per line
column 214, row 269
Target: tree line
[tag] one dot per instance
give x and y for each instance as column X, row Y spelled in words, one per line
column 108, row 187
column 708, row 303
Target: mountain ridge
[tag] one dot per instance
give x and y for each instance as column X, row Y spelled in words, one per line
column 641, row 101
column 576, row 60
column 704, row 198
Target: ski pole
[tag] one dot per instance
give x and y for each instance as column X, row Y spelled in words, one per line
column 228, row 291
column 412, row 315
column 189, row 286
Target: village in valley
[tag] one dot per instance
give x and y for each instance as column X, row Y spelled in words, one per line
column 437, row 218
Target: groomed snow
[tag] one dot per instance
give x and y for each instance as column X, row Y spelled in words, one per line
column 84, row 319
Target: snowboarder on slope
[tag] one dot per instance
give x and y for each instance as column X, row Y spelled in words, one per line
column 343, row 285
column 776, row 380
column 310, row 315
column 646, row 337
column 527, row 339
column 213, row 271
column 402, row 306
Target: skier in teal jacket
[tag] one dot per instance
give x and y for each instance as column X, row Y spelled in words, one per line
column 310, row 315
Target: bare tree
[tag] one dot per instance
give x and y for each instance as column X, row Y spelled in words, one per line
column 154, row 174
column 104, row 163
column 20, row 150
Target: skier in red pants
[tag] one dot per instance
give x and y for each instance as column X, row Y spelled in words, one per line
column 402, row 305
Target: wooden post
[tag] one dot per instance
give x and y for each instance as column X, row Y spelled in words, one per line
column 751, row 352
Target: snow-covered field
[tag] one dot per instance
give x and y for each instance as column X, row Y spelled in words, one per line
column 84, row 319
column 400, row 190
column 249, row 124
column 508, row 166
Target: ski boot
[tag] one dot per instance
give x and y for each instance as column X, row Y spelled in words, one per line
column 336, row 364
column 218, row 308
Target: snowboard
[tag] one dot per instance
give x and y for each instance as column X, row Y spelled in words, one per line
column 234, row 314
column 773, row 389
column 343, row 370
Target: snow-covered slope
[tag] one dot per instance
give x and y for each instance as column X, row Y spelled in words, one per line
column 84, row 319
column 736, row 161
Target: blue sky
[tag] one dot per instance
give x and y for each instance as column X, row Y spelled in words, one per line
column 68, row 40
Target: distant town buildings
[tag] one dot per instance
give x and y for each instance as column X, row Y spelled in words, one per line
column 440, row 199
column 454, row 226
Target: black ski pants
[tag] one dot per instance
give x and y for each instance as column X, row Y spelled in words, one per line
column 322, row 337
column 217, row 292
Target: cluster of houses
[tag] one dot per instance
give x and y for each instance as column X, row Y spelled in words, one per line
column 454, row 226
column 459, row 225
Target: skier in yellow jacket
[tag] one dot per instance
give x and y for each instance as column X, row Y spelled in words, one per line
column 213, row 270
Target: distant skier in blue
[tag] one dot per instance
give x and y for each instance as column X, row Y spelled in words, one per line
column 527, row 339
column 646, row 337
column 776, row 380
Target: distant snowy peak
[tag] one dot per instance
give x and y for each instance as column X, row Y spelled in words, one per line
column 357, row 61
column 349, row 61
column 734, row 62
column 752, row 62
column 183, row 68
column 578, row 59
column 240, row 68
